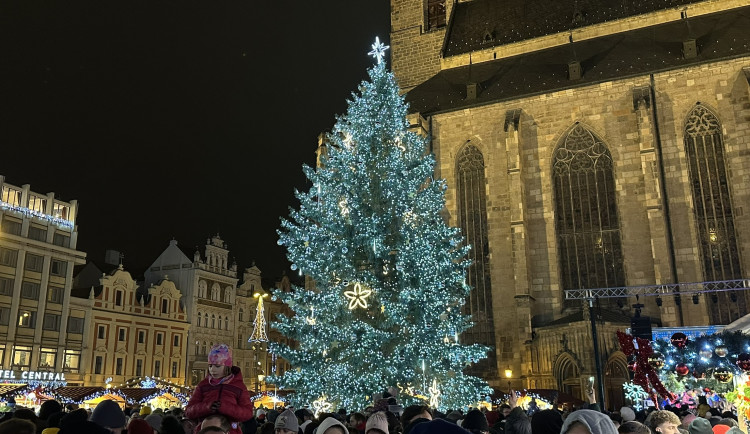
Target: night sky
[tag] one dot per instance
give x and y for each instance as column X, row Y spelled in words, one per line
column 175, row 119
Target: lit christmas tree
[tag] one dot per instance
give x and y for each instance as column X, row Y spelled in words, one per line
column 389, row 273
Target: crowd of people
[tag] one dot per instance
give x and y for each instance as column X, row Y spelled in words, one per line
column 221, row 404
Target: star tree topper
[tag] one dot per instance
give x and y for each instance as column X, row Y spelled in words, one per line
column 378, row 50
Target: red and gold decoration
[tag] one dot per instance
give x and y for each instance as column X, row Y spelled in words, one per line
column 645, row 373
column 723, row 375
column 656, row 360
column 721, row 350
column 743, row 362
column 681, row 369
column 679, row 340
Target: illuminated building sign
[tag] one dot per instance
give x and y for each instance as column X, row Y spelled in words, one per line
column 21, row 376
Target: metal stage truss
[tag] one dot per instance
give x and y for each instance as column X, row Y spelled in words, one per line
column 692, row 288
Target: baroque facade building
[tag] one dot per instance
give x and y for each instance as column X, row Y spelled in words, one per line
column 208, row 283
column 587, row 145
column 133, row 333
column 41, row 327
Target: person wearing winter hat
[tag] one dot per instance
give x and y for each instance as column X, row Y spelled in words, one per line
column 476, row 422
column 286, row 423
column 222, row 391
column 154, row 420
column 331, row 425
column 108, row 414
column 140, row 426
column 687, row 419
column 304, row 415
column 664, row 422
column 700, row 426
column 720, row 428
column 438, row 426
column 377, row 423
column 589, row 422
column 546, row 422
column 145, row 411
column 627, row 414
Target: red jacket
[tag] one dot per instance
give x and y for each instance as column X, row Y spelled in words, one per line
column 234, row 397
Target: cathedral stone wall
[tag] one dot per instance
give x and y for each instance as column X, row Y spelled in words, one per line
column 521, row 203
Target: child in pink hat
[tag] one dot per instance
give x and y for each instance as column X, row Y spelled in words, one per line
column 221, row 392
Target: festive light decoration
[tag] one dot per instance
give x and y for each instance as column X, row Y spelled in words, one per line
column 434, row 394
column 5, row 206
column 321, row 406
column 378, row 50
column 358, row 296
column 656, row 360
column 721, row 350
column 743, row 362
column 259, row 324
column 394, row 242
column 679, row 340
column 645, row 374
column 681, row 369
column 635, row 394
column 723, row 375
column 740, row 397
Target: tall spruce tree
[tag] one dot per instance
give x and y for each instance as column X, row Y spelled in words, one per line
column 389, row 273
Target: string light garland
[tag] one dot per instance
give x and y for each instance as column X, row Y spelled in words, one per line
column 373, row 219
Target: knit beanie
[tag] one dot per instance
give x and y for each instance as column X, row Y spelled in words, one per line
column 377, row 421
column 700, row 426
column 329, row 422
column 546, row 422
column 720, row 428
column 475, row 419
column 287, row 420
column 687, row 419
column 154, row 420
column 108, row 414
column 220, row 354
column 139, row 426
column 145, row 410
column 627, row 414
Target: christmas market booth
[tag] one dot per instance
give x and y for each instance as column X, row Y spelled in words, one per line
column 28, row 388
column 155, row 392
column 538, row 399
column 269, row 399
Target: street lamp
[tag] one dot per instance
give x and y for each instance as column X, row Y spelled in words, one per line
column 508, row 375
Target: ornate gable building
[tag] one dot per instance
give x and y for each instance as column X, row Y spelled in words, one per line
column 587, row 144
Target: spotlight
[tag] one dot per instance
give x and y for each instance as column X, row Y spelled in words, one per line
column 659, row 301
column 733, row 297
column 715, row 298
column 695, row 299
column 677, row 300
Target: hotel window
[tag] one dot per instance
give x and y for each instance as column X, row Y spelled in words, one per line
column 60, row 211
column 241, row 315
column 176, row 340
column 11, row 226
column 21, row 356
column 51, row 322
column 121, row 335
column 174, row 369
column 47, row 358
column 30, row 290
column 8, row 257
column 118, row 298
column 37, row 233
column 164, row 306
column 62, row 240
column 37, row 203
column 6, row 286
column 75, row 324
column 11, row 196
column 54, row 294
column 141, row 336
column 58, row 268
column 100, row 332
column 98, row 362
column 157, row 368
column 118, row 366
column 72, row 361
column 139, row 367
column 26, row 318
column 34, row 262
column 159, row 338
column 213, row 321
column 4, row 316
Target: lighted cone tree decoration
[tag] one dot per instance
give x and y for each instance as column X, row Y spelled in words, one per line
column 389, row 274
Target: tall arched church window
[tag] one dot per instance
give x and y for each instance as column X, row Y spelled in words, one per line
column 712, row 207
column 472, row 219
column 586, row 216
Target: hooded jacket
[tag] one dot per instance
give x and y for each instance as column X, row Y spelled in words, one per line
column 329, row 422
column 597, row 423
column 234, row 397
